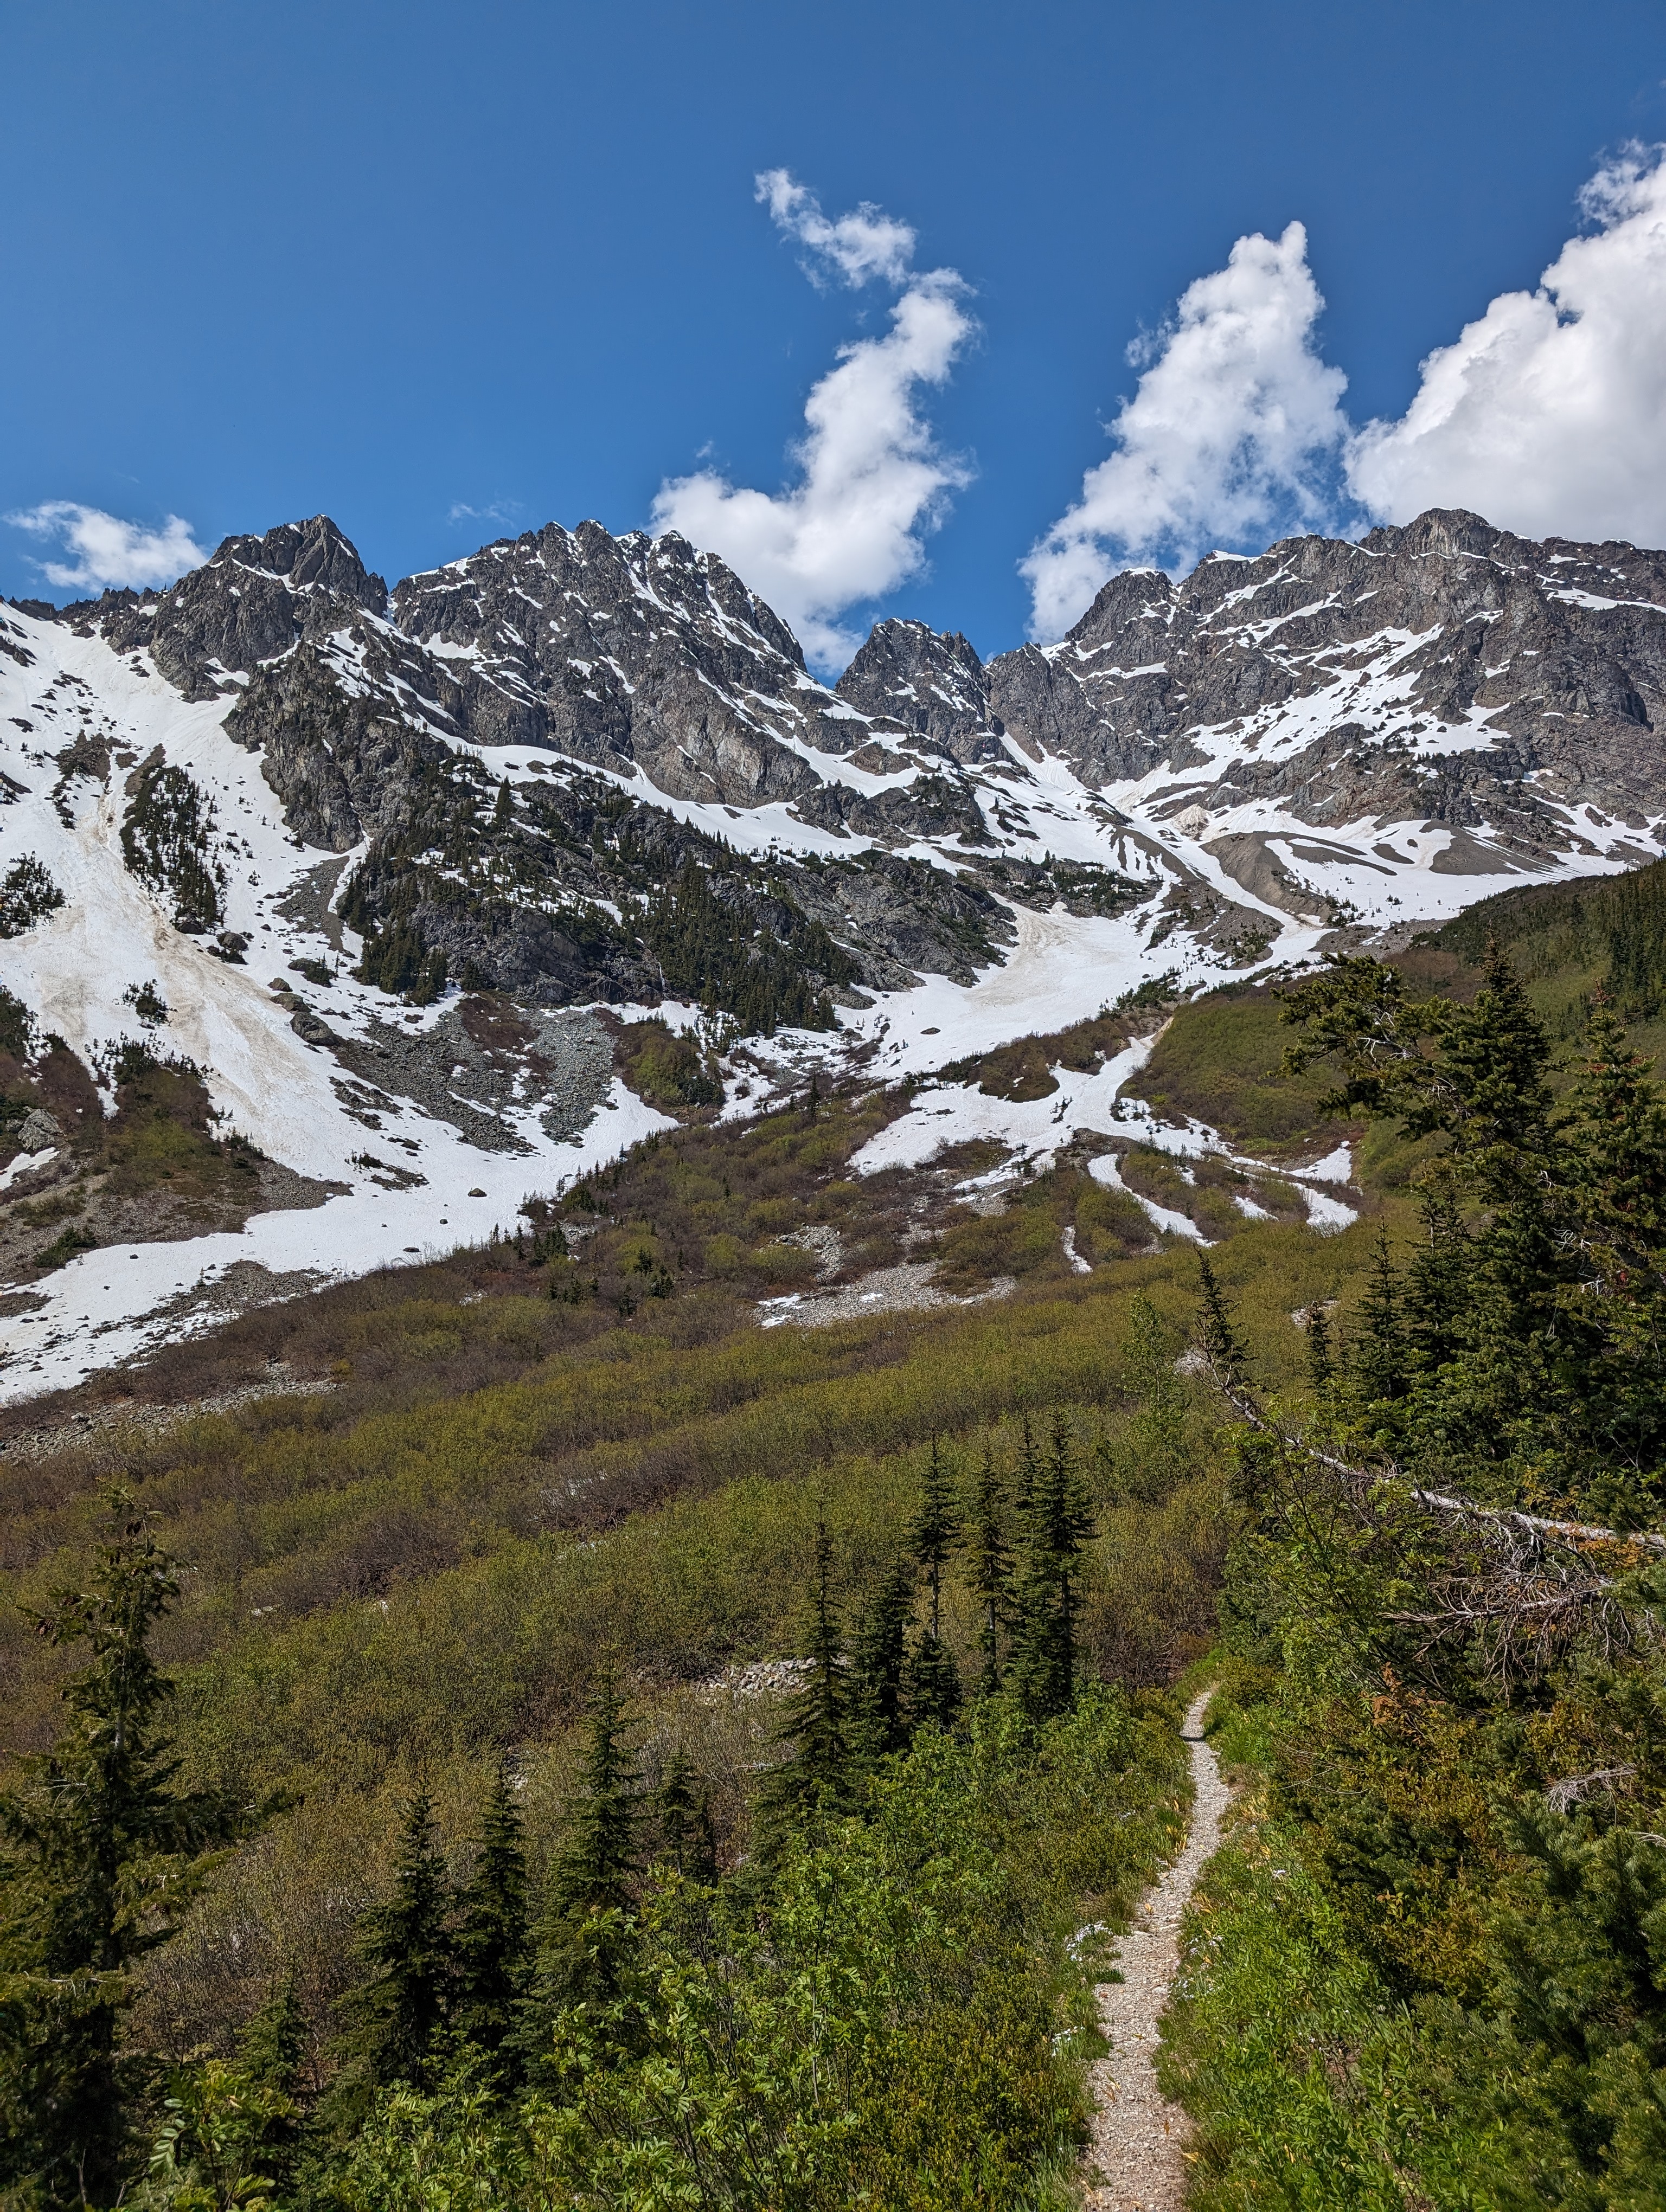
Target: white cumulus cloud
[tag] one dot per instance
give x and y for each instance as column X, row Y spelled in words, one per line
column 106, row 550
column 1231, row 434
column 872, row 480
column 1549, row 415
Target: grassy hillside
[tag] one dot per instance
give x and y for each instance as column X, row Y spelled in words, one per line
column 475, row 1492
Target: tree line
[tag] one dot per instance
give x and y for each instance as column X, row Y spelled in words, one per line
column 519, row 1989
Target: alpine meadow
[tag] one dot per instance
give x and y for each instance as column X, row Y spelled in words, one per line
column 833, row 1304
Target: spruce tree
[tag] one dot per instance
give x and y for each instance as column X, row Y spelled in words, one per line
column 492, row 1943
column 405, row 2005
column 934, row 1678
column 102, row 1854
column 1057, row 1526
column 593, row 1871
column 1437, row 1290
column 586, row 1939
column 1026, row 1475
column 815, row 1776
column 1219, row 1342
column 1379, row 1374
column 271, row 2051
column 687, row 1838
column 989, row 1571
column 1321, row 1367
column 878, row 1712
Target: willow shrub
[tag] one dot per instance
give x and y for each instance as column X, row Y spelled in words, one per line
column 898, row 2020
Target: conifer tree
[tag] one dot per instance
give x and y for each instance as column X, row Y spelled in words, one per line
column 1438, row 1289
column 815, row 1776
column 586, row 1941
column 492, row 1941
column 878, row 1713
column 990, row 1570
column 102, row 1854
column 592, row 1873
column 1220, row 1345
column 269, row 2053
column 686, row 1835
column 1379, row 1345
column 405, row 2005
column 1057, row 1526
column 934, row 1678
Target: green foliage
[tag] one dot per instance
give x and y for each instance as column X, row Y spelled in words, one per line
column 493, row 1938
column 409, row 1955
column 1057, row 1524
column 814, row 1779
column 712, row 950
column 1219, row 1061
column 102, row 1855
column 1431, row 1970
column 167, row 841
column 669, row 1071
column 16, row 1025
column 147, row 1002
column 27, row 893
column 891, row 2020
column 1537, row 1304
column 1609, row 934
column 211, row 2151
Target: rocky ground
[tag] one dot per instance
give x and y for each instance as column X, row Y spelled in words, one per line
column 1136, row 2160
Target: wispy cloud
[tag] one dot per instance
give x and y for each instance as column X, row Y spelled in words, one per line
column 503, row 511
column 872, row 481
column 108, row 551
column 1232, row 434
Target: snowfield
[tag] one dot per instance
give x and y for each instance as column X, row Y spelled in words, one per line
column 113, row 936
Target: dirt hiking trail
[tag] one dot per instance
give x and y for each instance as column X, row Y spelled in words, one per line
column 1136, row 2158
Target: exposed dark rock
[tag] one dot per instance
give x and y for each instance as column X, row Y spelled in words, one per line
column 250, row 601
column 625, row 652
column 933, row 685
column 1556, row 652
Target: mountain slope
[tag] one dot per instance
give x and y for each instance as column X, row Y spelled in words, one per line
column 354, row 863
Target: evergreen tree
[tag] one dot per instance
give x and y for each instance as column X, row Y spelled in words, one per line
column 990, row 1570
column 686, row 1836
column 270, row 2055
column 878, row 1713
column 102, row 1854
column 587, row 1944
column 1379, row 1374
column 492, row 1942
column 934, row 1678
column 1438, row 1289
column 1610, row 1410
column 1057, row 1526
column 1026, row 1475
column 815, row 1776
column 593, row 1872
column 1219, row 1343
column 405, row 2004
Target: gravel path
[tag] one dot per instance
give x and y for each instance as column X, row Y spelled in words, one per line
column 1136, row 2159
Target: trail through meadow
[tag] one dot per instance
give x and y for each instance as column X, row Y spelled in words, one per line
column 1137, row 2157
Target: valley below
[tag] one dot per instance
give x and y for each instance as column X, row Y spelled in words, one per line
column 660, row 1322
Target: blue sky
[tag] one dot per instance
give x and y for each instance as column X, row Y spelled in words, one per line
column 396, row 261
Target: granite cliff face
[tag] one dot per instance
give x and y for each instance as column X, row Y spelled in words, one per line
column 558, row 757
column 1447, row 672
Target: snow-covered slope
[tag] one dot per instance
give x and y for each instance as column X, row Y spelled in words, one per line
column 573, row 770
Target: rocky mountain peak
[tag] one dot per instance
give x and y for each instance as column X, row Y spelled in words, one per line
column 250, row 601
column 931, row 682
